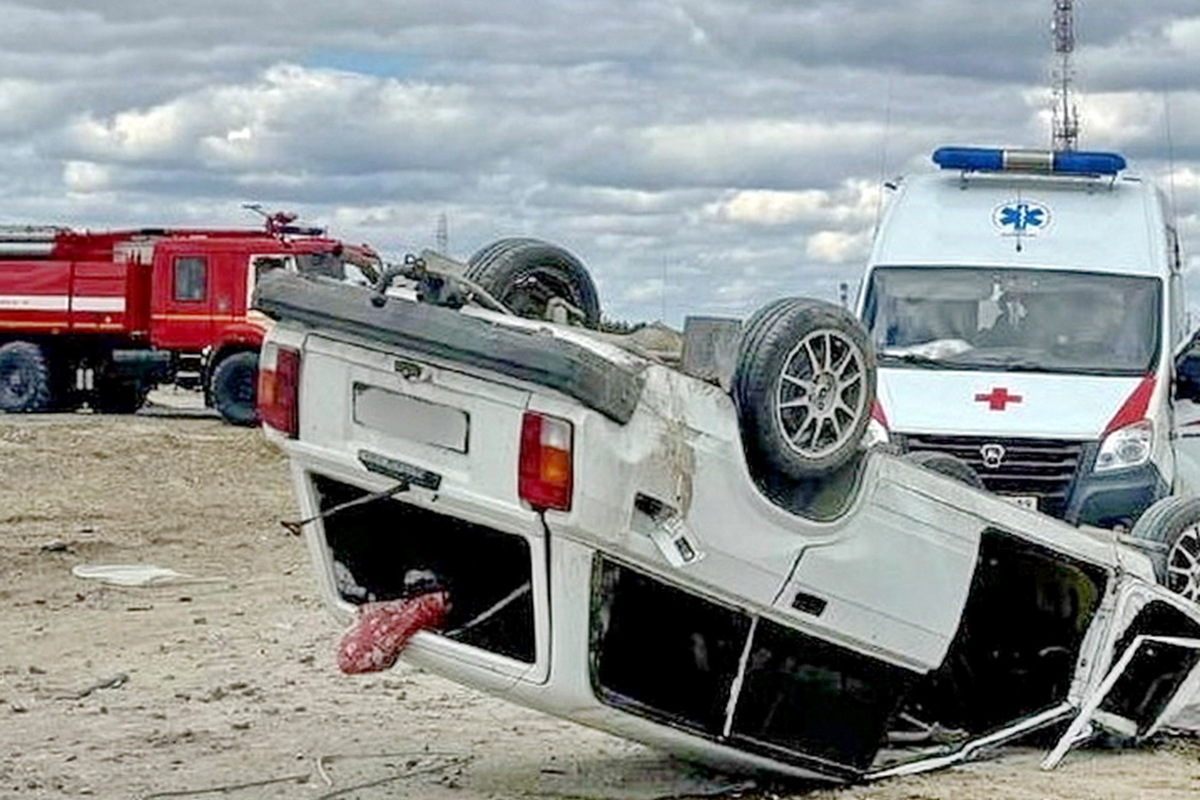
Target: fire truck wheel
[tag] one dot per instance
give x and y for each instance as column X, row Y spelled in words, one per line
column 803, row 386
column 234, row 388
column 24, row 377
column 1174, row 522
column 948, row 465
column 525, row 274
column 119, row 397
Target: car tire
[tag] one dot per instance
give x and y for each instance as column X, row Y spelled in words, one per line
column 24, row 378
column 948, row 465
column 803, row 386
column 524, row 274
column 1174, row 522
column 234, row 388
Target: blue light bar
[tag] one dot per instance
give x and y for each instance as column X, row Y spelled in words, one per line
column 1062, row 162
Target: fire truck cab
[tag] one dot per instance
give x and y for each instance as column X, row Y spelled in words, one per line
column 100, row 317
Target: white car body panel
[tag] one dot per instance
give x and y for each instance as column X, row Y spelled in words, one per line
column 885, row 579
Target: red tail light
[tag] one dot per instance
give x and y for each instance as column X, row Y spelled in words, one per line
column 545, row 472
column 278, row 389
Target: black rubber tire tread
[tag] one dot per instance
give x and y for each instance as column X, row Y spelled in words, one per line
column 119, row 397
column 760, row 321
column 1164, row 522
column 756, row 328
column 234, row 388
column 26, row 361
column 499, row 265
column 767, row 339
column 486, row 252
column 948, row 465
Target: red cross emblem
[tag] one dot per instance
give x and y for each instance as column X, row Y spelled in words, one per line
column 998, row 398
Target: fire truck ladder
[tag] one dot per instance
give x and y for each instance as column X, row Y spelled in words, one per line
column 28, row 240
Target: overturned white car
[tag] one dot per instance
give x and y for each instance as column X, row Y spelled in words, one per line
column 712, row 565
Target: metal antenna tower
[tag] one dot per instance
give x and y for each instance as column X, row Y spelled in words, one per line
column 1065, row 135
column 443, row 234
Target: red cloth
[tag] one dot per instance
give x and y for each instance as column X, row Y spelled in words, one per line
column 376, row 638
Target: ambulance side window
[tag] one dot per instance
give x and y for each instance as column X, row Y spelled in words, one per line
column 190, row 278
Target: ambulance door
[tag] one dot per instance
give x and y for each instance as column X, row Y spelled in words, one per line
column 1186, row 418
column 1183, row 397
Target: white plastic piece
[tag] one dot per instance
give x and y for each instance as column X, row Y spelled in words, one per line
column 130, row 574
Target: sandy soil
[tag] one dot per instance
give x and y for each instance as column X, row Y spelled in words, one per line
column 228, row 679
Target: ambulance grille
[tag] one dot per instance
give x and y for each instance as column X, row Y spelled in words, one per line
column 1042, row 468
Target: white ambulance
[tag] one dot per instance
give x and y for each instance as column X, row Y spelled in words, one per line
column 1027, row 312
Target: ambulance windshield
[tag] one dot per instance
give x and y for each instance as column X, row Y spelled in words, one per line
column 1014, row 319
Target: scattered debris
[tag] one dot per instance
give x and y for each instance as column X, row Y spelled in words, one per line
column 114, row 682
column 299, row 778
column 136, row 575
column 413, row 764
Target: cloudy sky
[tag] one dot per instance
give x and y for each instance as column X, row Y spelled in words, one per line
column 701, row 156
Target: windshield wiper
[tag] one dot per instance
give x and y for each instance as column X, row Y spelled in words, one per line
column 913, row 358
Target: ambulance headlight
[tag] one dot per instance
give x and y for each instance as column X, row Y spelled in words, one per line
column 1126, row 447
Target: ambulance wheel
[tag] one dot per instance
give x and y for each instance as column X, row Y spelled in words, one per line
column 804, row 384
column 948, row 465
column 24, row 378
column 1175, row 523
column 525, row 274
column 119, row 397
column 234, row 388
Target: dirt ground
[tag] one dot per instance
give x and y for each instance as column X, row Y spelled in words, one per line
column 224, row 684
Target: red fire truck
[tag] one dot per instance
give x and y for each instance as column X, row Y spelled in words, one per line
column 100, row 317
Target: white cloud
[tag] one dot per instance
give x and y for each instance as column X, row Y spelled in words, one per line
column 736, row 293
column 837, row 247
column 739, row 152
column 644, row 291
column 854, row 202
column 85, row 177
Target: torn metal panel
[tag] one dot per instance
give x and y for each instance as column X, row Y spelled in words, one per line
column 975, row 747
column 1090, row 714
column 881, row 620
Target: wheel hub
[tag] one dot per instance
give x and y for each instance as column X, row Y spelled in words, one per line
column 1183, row 564
column 820, row 393
column 826, row 385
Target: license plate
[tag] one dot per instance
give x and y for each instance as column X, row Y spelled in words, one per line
column 411, row 418
column 1025, row 501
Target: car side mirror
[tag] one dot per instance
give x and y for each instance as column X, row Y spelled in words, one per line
column 1187, row 375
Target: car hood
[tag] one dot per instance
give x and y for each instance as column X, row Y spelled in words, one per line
column 972, row 403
